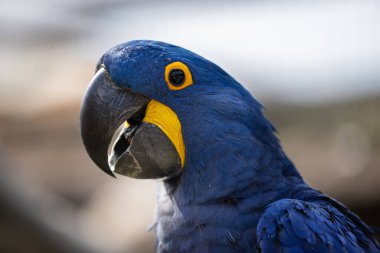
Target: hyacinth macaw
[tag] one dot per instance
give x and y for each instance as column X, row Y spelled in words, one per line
column 226, row 184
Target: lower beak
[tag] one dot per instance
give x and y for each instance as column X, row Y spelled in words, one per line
column 143, row 149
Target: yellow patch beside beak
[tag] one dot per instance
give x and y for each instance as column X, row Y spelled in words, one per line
column 166, row 119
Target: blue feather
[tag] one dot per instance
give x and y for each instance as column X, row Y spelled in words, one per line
column 238, row 191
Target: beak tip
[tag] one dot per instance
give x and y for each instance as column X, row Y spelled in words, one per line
column 109, row 172
column 112, row 175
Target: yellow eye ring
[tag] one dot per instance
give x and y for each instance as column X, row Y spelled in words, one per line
column 178, row 76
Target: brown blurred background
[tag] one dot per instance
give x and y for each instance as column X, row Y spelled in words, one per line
column 313, row 64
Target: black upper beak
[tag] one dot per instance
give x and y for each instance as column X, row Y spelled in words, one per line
column 104, row 108
column 142, row 150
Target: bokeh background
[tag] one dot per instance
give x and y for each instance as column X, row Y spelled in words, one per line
column 314, row 64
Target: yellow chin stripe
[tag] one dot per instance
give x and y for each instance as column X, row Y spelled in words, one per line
column 166, row 119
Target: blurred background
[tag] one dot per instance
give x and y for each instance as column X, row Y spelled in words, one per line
column 315, row 65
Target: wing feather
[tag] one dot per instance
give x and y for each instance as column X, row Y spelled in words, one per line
column 291, row 225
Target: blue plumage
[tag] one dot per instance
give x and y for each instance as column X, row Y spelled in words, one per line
column 292, row 225
column 238, row 191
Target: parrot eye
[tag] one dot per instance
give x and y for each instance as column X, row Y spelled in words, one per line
column 178, row 76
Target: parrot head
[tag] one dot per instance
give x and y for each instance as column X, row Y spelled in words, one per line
column 170, row 104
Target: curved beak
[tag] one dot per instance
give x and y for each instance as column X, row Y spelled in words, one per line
column 142, row 150
column 104, row 108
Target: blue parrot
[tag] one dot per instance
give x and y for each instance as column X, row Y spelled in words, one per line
column 226, row 184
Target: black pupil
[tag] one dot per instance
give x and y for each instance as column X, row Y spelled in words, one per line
column 177, row 77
